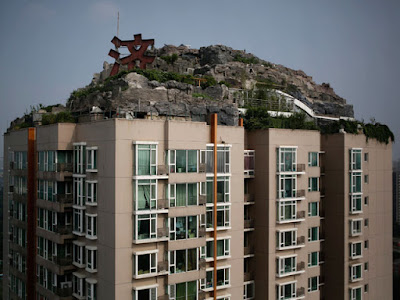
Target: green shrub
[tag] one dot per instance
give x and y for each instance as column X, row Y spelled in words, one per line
column 378, row 131
column 246, row 60
column 61, row 117
column 170, row 59
column 199, row 95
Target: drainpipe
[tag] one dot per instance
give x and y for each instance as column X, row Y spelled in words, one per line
column 214, row 123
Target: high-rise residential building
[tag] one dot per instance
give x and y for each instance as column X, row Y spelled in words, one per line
column 167, row 209
column 396, row 192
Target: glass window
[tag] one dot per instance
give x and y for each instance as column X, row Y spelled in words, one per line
column 313, row 234
column 313, row 209
column 356, row 250
column 91, row 159
column 355, row 182
column 146, row 159
column 145, row 263
column 183, row 161
column 79, row 254
column 356, row 203
column 91, row 192
column 79, row 158
column 223, row 216
column 356, row 272
column 286, row 265
column 222, row 189
column 92, row 291
column 145, row 294
column 183, row 260
column 286, row 291
column 355, row 293
column 182, row 194
column 313, row 184
column 145, row 194
column 91, row 257
column 79, row 191
column 313, row 259
column 355, row 159
column 145, row 227
column 313, row 283
column 223, row 159
column 91, row 226
column 286, row 238
column 183, row 291
column 183, row 227
column 287, row 210
column 78, row 221
column 223, row 248
column 223, row 275
column 355, row 227
column 248, row 291
column 287, row 186
column 313, row 159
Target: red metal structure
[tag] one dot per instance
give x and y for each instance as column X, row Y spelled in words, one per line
column 136, row 47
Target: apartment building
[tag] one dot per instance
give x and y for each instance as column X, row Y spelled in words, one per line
column 168, row 209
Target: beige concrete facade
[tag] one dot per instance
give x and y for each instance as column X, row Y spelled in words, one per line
column 311, row 200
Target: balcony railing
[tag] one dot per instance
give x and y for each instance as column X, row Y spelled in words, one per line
column 248, row 250
column 202, row 199
column 300, row 167
column 202, row 232
column 202, row 168
column 64, row 198
column 247, row 276
column 248, row 224
column 62, row 261
column 300, row 266
column 63, row 229
column 63, row 292
column 202, row 263
column 301, row 240
column 162, row 203
column 63, row 167
column 162, row 170
column 248, row 198
column 301, row 214
column 300, row 292
column 162, row 266
column 163, row 232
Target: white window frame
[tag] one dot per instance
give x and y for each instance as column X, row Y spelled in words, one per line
column 226, row 250
column 281, row 161
column 78, row 157
column 91, row 288
column 280, row 261
column 281, row 238
column 310, row 180
column 78, row 254
column 353, row 248
column 172, row 261
column 153, row 231
column 91, row 198
column 281, row 290
column 171, row 154
column 354, row 229
column 152, row 292
column 354, row 198
column 226, row 279
column 172, row 194
column 353, row 181
column 310, row 154
column 91, row 259
column 79, row 191
column 310, row 290
column 153, row 146
column 246, row 287
column 91, row 156
column 172, row 228
column 227, row 216
column 281, row 210
column 353, row 162
column 91, row 226
column 281, row 186
column 80, row 215
column 353, row 272
column 172, row 290
column 152, row 183
column 310, row 209
column 310, row 234
column 309, row 264
column 353, row 292
column 153, row 268
column 77, row 277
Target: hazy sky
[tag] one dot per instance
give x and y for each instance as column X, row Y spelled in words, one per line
column 49, row 48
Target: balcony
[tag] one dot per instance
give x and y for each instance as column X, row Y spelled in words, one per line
column 248, row 198
column 62, row 261
column 63, row 292
column 162, row 170
column 247, row 276
column 249, row 163
column 202, row 199
column 300, row 292
column 64, row 198
column 162, row 266
column 162, row 203
column 292, row 194
column 202, row 232
column 293, row 169
column 64, row 167
column 301, row 240
column 63, row 229
column 249, row 250
column 202, row 264
column 300, row 216
column 163, row 233
column 249, row 224
column 301, row 266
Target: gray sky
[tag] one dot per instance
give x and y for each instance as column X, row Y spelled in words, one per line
column 49, row 48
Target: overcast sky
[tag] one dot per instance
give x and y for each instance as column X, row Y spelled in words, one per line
column 49, row 48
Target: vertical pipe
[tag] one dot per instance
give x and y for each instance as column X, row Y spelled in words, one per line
column 214, row 123
column 241, row 122
column 31, row 222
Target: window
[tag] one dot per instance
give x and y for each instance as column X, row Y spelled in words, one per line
column 91, row 160
column 21, row 160
column 313, row 184
column 248, row 290
column 355, row 293
column 286, row 239
column 183, row 194
column 366, row 156
column 145, row 159
column 313, row 209
column 356, row 272
column 183, row 291
column 145, row 194
column 356, row 227
column 366, row 288
column 182, row 161
column 313, row 259
column 223, row 216
column 313, row 234
column 366, row 266
column 145, row 294
column 222, row 189
column 183, row 260
column 47, row 161
column 366, row 200
column 78, row 221
column 79, row 158
column 356, row 250
column 355, row 204
column 286, row 291
column 181, row 228
column 313, row 283
column 46, row 190
column 145, row 264
column 355, row 182
column 287, row 186
column 223, row 275
column 366, row 178
column 366, row 244
column 286, row 210
column 146, row 226
column 223, row 248
column 91, row 256
column 91, row 226
column 366, row 222
column 91, row 289
column 79, row 254
column 91, row 192
column 287, row 159
column 355, row 159
column 223, row 159
column 285, row 265
column 78, row 286
column 313, row 160
column 79, row 191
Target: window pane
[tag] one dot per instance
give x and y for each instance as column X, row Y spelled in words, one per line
column 143, row 264
column 143, row 162
column 181, row 195
column 180, row 161
column 192, row 160
column 180, row 261
column 192, row 290
column 191, row 259
column 180, row 228
column 192, row 193
column 192, row 227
